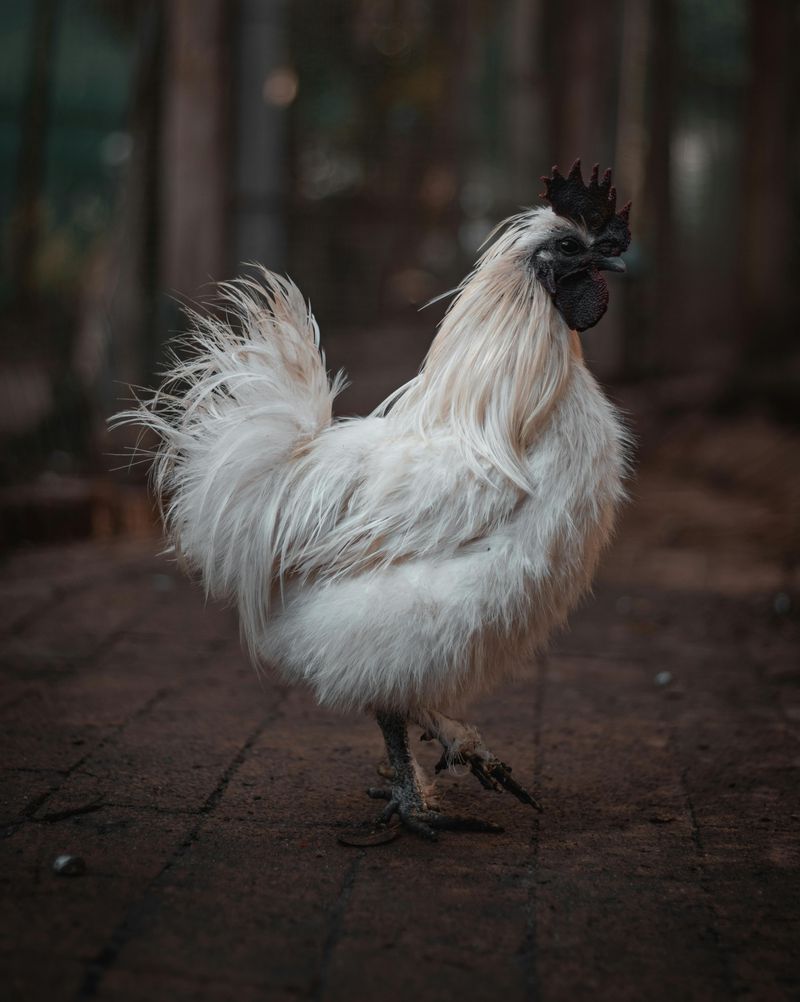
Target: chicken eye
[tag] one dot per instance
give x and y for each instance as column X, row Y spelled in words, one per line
column 569, row 246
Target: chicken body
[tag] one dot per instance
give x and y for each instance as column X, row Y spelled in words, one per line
column 429, row 579
column 402, row 562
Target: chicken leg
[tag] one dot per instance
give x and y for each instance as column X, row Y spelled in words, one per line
column 406, row 795
column 463, row 745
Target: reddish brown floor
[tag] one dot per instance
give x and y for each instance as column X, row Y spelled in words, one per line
column 206, row 802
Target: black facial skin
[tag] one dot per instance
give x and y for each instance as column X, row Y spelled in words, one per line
column 570, row 271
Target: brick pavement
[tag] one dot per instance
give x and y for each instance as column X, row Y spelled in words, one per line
column 206, row 803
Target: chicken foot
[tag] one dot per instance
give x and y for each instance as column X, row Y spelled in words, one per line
column 406, row 795
column 463, row 745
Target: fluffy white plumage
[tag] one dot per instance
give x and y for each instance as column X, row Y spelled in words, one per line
column 410, row 558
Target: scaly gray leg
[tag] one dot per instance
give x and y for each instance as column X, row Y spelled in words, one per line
column 406, row 797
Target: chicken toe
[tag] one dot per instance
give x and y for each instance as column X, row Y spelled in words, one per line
column 406, row 796
column 463, row 745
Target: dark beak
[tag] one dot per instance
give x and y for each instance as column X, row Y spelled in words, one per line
column 610, row 264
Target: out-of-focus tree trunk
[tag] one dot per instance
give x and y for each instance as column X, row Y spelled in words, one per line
column 116, row 343
column 580, row 80
column 526, row 102
column 27, row 217
column 265, row 87
column 130, row 271
column 195, row 146
column 630, row 163
column 631, row 134
column 653, row 216
column 768, row 174
column 767, row 363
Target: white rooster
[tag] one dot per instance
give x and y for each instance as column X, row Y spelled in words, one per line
column 403, row 562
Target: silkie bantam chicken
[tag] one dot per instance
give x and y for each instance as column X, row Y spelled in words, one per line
column 402, row 563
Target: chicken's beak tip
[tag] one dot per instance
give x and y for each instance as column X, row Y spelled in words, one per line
column 611, row 264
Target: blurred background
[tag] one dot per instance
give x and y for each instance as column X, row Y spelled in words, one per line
column 367, row 148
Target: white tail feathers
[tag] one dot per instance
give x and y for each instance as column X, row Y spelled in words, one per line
column 253, row 390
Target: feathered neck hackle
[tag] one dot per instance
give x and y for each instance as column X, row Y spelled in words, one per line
column 497, row 366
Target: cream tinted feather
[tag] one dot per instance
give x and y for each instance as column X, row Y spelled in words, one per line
column 413, row 556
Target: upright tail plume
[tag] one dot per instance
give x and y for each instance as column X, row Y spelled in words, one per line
column 252, row 390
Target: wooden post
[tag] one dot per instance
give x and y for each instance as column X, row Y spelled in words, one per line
column 27, row 216
column 265, row 87
column 768, row 174
column 195, row 146
column 526, row 121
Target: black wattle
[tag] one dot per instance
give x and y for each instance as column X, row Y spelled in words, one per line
column 582, row 298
